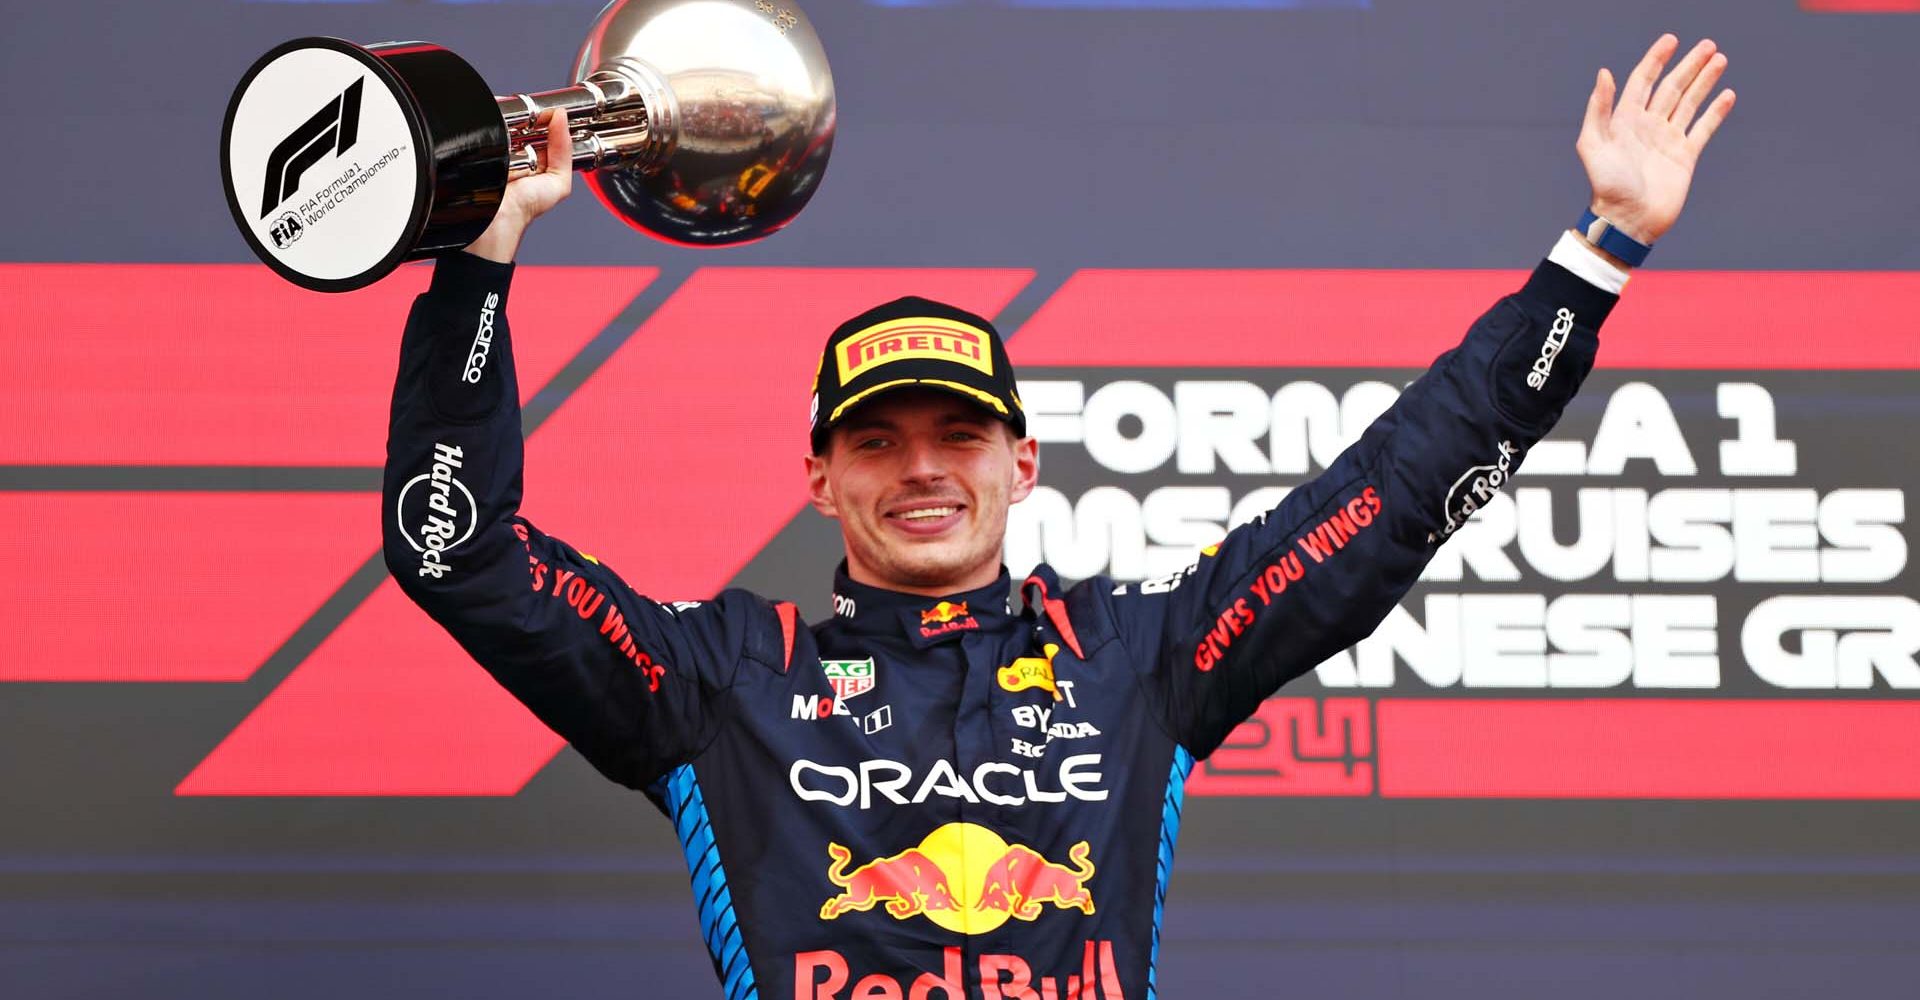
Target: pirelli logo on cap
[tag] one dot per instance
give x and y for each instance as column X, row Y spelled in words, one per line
column 929, row 338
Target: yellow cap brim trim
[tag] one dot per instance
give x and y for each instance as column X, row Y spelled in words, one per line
column 986, row 399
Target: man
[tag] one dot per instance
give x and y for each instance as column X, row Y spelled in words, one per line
column 943, row 792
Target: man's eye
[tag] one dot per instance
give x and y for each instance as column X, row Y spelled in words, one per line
column 963, row 436
column 869, row 444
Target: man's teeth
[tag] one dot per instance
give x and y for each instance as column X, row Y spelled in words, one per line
column 928, row 512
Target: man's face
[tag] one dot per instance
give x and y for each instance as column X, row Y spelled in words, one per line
column 920, row 481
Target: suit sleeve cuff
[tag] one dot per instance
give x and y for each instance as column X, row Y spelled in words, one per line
column 1581, row 259
column 1554, row 287
column 462, row 277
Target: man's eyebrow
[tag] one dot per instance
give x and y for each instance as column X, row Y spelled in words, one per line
column 874, row 422
column 867, row 423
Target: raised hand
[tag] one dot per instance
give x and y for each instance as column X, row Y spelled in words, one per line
column 1640, row 153
column 530, row 197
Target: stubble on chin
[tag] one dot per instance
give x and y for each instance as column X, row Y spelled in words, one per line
column 922, row 569
column 937, row 566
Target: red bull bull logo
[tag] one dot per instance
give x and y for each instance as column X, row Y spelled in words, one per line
column 909, row 883
column 935, row 880
column 1023, row 879
column 943, row 612
column 946, row 616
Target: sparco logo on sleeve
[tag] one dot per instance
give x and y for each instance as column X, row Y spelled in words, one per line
column 332, row 129
column 1556, row 339
column 436, row 512
column 1474, row 488
column 482, row 341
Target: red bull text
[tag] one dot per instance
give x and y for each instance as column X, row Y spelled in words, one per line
column 945, row 617
column 824, row 975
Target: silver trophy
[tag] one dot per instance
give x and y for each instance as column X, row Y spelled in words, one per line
column 701, row 122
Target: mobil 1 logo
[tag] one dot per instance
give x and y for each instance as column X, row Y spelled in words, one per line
column 323, row 172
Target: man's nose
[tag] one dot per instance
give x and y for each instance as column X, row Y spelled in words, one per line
column 924, row 461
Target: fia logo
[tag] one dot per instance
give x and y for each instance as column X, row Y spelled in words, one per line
column 285, row 230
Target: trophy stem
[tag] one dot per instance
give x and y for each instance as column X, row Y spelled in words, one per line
column 605, row 112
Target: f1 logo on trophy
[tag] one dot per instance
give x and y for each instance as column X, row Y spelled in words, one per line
column 701, row 122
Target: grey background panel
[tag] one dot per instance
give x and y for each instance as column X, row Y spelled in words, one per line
column 1414, row 134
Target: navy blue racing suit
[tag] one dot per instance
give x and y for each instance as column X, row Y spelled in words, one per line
column 971, row 797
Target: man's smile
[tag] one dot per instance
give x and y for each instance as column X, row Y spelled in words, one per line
column 926, row 517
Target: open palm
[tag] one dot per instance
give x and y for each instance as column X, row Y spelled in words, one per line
column 1640, row 153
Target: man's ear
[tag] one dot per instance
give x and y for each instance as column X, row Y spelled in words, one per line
column 818, row 493
column 1026, row 468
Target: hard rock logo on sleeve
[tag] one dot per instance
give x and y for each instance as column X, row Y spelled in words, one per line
column 1475, row 488
column 436, row 511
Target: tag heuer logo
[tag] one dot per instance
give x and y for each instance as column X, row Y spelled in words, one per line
column 850, row 678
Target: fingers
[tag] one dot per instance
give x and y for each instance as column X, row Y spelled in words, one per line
column 1710, row 122
column 1668, row 96
column 1597, row 125
column 1640, row 82
column 560, row 149
column 1697, row 91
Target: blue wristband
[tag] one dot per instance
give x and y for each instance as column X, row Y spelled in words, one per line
column 1601, row 233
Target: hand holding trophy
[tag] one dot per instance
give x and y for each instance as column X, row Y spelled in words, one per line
column 701, row 122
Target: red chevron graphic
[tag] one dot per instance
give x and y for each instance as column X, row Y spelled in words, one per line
column 203, row 586
column 1667, row 748
column 167, row 586
column 1861, row 6
column 675, row 463
column 1590, row 748
column 225, row 364
column 1354, row 319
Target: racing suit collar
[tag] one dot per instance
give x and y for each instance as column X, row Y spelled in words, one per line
column 924, row 621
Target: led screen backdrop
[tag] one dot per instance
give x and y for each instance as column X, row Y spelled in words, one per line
column 1648, row 725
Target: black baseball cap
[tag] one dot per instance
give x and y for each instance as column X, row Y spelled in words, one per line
column 913, row 342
